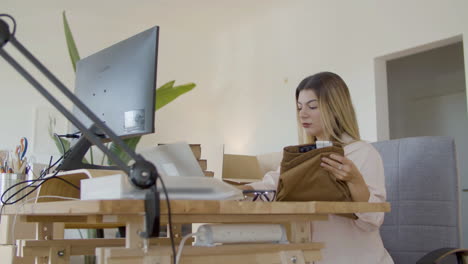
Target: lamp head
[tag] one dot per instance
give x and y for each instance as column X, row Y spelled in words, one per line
column 143, row 174
column 4, row 33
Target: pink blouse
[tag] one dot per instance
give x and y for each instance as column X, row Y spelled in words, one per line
column 347, row 240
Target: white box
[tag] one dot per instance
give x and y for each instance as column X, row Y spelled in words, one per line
column 111, row 187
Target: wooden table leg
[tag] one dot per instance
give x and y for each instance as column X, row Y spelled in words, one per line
column 292, row 257
column 58, row 231
column 59, row 255
column 300, row 232
column 44, row 231
column 134, row 225
column 50, row 231
column 136, row 247
column 176, row 230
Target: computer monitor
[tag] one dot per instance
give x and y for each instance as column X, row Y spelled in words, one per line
column 119, row 85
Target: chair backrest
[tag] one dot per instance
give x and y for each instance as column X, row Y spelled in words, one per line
column 422, row 187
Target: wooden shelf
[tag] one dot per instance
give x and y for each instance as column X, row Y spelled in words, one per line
column 184, row 207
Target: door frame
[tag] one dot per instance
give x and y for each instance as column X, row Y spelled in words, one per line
column 381, row 88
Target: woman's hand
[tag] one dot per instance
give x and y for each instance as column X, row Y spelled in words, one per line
column 343, row 168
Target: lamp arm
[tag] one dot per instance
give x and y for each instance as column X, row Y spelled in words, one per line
column 142, row 173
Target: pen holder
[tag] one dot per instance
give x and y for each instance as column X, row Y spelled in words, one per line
column 9, row 179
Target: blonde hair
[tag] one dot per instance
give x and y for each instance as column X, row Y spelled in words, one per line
column 336, row 109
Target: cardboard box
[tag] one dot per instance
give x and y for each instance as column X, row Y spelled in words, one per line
column 243, row 169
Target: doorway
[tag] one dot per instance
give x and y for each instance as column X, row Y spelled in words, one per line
column 426, row 96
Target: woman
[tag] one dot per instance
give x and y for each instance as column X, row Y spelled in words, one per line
column 325, row 112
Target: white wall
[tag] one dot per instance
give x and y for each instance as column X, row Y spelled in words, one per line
column 247, row 57
column 186, row 41
column 301, row 38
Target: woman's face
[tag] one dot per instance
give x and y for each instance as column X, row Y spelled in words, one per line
column 309, row 114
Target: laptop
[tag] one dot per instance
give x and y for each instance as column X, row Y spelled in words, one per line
column 183, row 177
column 175, row 159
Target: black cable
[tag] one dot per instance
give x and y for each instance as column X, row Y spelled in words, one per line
column 169, row 219
column 19, row 191
column 54, row 176
column 50, row 164
column 5, row 203
column 11, row 196
column 62, row 179
column 73, row 135
column 62, row 157
column 35, row 187
column 44, row 172
column 14, row 23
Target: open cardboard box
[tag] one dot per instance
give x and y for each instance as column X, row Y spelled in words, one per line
column 243, row 169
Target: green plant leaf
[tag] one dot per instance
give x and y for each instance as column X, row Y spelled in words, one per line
column 72, row 50
column 66, row 143
column 131, row 142
column 166, row 86
column 168, row 93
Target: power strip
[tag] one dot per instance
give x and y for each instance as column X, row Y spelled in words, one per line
column 213, row 234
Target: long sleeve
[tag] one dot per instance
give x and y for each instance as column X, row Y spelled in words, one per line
column 370, row 164
column 357, row 241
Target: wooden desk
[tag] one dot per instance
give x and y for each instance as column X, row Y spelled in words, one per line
column 133, row 249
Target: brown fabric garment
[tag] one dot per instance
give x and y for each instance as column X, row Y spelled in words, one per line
column 303, row 179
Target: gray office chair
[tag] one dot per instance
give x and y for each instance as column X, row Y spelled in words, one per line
column 423, row 189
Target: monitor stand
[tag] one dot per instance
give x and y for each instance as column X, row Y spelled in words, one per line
column 74, row 159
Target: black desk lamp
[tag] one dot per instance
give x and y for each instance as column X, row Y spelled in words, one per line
column 142, row 173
